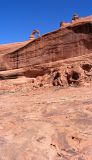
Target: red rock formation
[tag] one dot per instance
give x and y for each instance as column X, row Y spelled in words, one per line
column 40, row 56
column 71, row 41
column 39, row 121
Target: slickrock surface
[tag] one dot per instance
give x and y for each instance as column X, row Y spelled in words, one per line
column 7, row 48
column 49, row 123
column 46, row 95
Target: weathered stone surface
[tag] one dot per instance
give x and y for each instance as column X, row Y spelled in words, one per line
column 67, row 42
column 45, row 96
column 45, row 123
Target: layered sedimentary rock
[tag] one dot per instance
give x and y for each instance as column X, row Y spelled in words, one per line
column 67, row 42
column 58, row 57
column 42, row 115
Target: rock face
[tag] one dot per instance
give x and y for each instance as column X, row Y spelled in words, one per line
column 45, row 95
column 65, row 50
column 67, row 42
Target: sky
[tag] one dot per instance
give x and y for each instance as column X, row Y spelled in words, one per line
column 18, row 18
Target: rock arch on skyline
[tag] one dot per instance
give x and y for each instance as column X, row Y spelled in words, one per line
column 35, row 32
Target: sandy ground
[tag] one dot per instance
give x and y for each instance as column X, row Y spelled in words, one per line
column 48, row 123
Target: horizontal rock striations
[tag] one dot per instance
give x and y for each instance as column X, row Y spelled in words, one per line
column 67, row 42
column 70, row 44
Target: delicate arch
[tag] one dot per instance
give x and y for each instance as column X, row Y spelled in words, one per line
column 33, row 34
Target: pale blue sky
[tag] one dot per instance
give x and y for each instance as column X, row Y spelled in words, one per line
column 19, row 17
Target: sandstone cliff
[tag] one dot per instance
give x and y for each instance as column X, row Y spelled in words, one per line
column 67, row 42
column 46, row 97
column 57, row 52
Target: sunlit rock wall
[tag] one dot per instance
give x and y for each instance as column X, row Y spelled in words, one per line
column 68, row 42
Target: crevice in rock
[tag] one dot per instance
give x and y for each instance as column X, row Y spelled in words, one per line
column 73, row 78
column 56, row 79
column 87, row 67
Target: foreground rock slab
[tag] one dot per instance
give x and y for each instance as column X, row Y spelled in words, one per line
column 46, row 123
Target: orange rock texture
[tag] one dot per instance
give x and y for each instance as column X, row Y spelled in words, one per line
column 67, row 42
column 45, row 95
